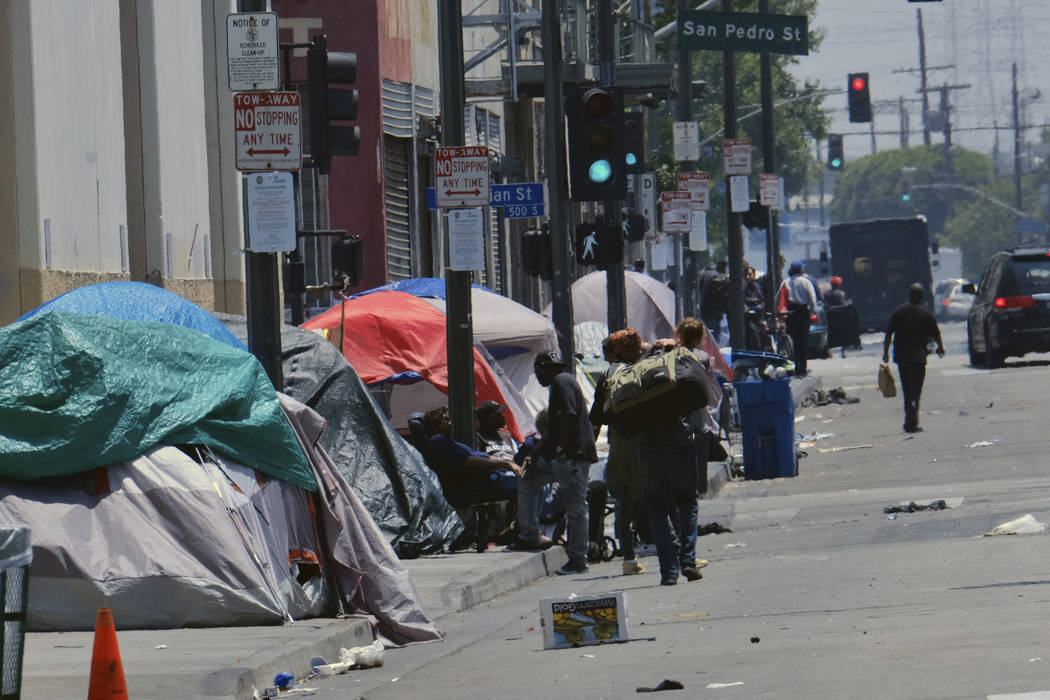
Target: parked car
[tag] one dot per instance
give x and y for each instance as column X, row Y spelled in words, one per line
column 1010, row 315
column 950, row 300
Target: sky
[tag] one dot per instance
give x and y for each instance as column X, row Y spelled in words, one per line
column 980, row 39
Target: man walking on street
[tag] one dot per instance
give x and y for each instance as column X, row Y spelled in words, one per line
column 798, row 300
column 568, row 445
column 910, row 329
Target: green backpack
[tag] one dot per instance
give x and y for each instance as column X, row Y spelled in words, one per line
column 655, row 390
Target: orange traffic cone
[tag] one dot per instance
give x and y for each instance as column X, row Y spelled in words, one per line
column 107, row 672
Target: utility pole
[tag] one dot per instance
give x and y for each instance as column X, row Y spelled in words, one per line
column 685, row 113
column 1017, row 145
column 736, row 244
column 459, row 326
column 922, row 78
column 262, row 296
column 554, row 143
column 904, row 122
column 615, row 286
column 769, row 166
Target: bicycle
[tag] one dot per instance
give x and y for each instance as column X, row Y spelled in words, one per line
column 771, row 334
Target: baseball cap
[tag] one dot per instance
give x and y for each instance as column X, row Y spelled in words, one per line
column 547, row 358
column 489, row 408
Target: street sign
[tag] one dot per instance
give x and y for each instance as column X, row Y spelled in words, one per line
column 698, row 231
column 677, row 211
column 1031, row 226
column 519, row 200
column 251, row 51
column 698, row 184
column 646, row 194
column 743, row 31
column 466, row 240
column 461, row 176
column 267, row 131
column 686, row 141
column 736, row 156
column 769, row 190
column 271, row 213
column 739, row 194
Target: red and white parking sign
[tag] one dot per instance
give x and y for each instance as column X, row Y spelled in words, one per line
column 267, row 128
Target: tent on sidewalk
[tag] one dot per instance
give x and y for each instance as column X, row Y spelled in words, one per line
column 402, row 494
column 650, row 303
column 163, row 476
column 511, row 332
column 397, row 341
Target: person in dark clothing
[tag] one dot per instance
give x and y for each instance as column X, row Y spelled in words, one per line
column 467, row 475
column 835, row 296
column 492, row 438
column 754, row 309
column 910, row 329
column 713, row 297
column 568, row 446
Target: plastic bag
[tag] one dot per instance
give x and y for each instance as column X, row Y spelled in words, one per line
column 887, row 386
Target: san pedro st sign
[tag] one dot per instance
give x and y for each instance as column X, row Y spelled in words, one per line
column 743, row 31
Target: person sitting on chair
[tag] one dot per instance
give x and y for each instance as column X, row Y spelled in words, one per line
column 467, row 475
column 493, row 440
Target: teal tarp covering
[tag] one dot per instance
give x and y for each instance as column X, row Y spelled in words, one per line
column 79, row 392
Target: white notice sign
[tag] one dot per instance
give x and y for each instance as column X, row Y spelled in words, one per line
column 271, row 213
column 251, row 50
column 736, row 156
column 466, row 239
column 647, row 196
column 698, row 232
column 769, row 190
column 697, row 184
column 739, row 197
column 686, row 141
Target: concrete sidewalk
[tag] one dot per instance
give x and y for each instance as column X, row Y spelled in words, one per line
column 235, row 663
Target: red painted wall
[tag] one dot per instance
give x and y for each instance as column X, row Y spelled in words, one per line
column 355, row 184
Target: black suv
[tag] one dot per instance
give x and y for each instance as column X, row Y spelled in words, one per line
column 1010, row 315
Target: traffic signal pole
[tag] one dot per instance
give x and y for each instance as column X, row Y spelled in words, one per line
column 262, row 296
column 554, row 164
column 615, row 286
column 769, row 166
column 686, row 288
column 736, row 244
column 459, row 326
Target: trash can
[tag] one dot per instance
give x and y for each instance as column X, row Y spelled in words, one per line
column 16, row 554
column 767, row 424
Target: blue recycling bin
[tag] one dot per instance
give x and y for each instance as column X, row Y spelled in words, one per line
column 767, row 422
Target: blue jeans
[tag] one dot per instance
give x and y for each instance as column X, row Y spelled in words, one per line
column 572, row 490
column 669, row 473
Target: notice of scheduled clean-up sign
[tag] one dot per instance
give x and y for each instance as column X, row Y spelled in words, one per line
column 743, row 31
column 267, row 131
column 461, row 176
column 251, row 51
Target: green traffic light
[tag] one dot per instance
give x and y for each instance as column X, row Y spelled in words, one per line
column 836, row 163
column 600, row 171
column 905, row 197
column 631, row 159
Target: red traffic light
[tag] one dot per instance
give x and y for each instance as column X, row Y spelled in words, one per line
column 597, row 103
column 859, row 83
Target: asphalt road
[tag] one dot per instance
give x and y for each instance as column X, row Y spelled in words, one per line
column 816, row 592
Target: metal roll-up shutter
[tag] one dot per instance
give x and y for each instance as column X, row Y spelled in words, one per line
column 398, row 207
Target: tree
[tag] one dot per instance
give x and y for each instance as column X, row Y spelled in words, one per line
column 796, row 123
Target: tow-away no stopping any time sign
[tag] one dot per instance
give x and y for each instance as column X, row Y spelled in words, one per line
column 267, row 131
column 461, row 176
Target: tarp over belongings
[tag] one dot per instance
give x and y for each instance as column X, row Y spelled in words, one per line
column 138, row 301
column 186, row 535
column 79, row 392
column 397, row 338
column 512, row 333
column 400, row 492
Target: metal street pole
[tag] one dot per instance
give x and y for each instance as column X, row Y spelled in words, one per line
column 1017, row 147
column 769, row 166
column 922, row 78
column 554, row 142
column 615, row 286
column 686, row 289
column 736, row 244
column 459, row 326
column 262, row 295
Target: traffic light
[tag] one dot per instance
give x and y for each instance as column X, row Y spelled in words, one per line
column 859, row 98
column 325, row 68
column 835, row 159
column 634, row 142
column 597, row 164
column 347, row 261
column 536, row 253
column 599, row 244
column 756, row 217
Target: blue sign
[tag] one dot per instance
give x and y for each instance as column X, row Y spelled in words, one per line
column 1033, row 226
column 520, row 200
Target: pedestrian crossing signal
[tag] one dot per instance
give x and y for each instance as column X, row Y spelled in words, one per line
column 598, row 244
